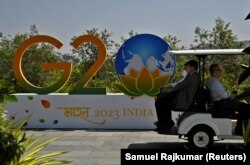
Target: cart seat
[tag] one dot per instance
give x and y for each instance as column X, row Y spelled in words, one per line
column 219, row 113
column 200, row 101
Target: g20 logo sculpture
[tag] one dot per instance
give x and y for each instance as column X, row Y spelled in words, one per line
column 143, row 64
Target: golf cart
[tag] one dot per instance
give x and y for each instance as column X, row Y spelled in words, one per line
column 202, row 124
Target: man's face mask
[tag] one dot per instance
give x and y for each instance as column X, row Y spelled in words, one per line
column 184, row 73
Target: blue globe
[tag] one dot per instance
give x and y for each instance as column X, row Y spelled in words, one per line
column 145, row 51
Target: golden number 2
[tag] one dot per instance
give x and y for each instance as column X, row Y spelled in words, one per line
column 79, row 88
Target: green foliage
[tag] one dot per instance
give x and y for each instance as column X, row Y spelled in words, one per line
column 5, row 89
column 131, row 33
column 34, row 144
column 11, row 147
column 173, row 42
column 246, row 132
column 16, row 148
column 220, row 37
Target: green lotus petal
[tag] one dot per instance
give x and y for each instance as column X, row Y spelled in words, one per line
column 126, row 91
column 12, row 98
column 144, row 81
column 158, row 82
column 130, row 84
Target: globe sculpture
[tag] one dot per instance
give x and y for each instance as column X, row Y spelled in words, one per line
column 144, row 64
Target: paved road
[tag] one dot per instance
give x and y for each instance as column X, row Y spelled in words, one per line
column 102, row 147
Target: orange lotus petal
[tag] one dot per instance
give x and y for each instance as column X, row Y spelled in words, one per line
column 144, row 82
column 158, row 82
column 156, row 73
column 133, row 73
column 45, row 103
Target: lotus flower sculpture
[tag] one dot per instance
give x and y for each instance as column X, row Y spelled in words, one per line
column 143, row 83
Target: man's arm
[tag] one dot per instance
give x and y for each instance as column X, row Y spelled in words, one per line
column 217, row 91
column 183, row 84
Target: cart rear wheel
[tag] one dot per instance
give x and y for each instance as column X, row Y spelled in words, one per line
column 201, row 137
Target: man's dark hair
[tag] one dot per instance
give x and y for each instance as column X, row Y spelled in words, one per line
column 213, row 68
column 192, row 63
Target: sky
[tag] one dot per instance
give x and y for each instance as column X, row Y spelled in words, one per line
column 64, row 19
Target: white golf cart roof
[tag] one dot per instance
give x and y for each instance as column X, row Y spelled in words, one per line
column 209, row 52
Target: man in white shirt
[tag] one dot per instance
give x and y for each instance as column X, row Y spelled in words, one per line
column 222, row 100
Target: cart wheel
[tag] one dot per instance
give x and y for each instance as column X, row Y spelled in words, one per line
column 201, row 136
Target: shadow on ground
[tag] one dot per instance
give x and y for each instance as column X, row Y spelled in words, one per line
column 88, row 129
column 183, row 146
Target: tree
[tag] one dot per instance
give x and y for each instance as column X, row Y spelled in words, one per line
column 173, row 42
column 131, row 33
column 220, row 37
